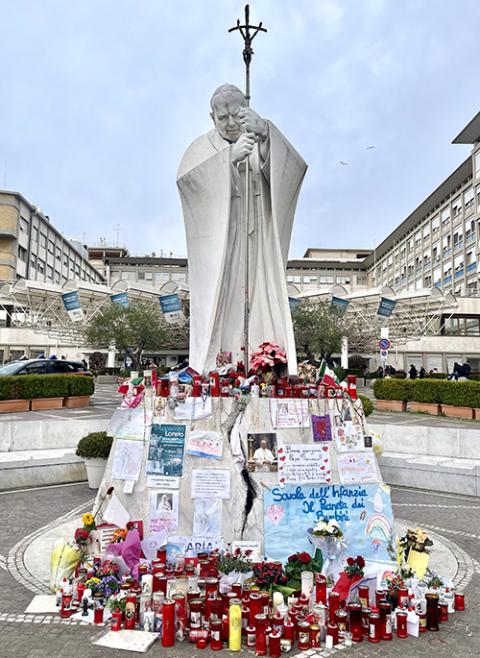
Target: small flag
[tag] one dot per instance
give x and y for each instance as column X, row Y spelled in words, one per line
column 327, row 376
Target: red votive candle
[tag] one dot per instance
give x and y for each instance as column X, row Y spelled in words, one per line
column 363, row 595
column 315, row 636
column 274, row 645
column 116, row 621
column 332, row 630
column 168, row 623
column 320, row 588
column 432, row 611
column 374, row 627
column 216, row 634
column 303, row 629
column 379, row 596
column 460, row 602
column 422, row 622
column 385, row 621
column 402, row 624
column 333, row 605
column 366, row 612
column 288, row 630
column 402, row 597
column 355, row 621
column 443, row 608
column 255, row 607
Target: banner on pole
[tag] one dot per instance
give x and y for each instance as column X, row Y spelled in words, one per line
column 386, row 307
column 120, row 298
column 339, row 304
column 71, row 303
column 171, row 306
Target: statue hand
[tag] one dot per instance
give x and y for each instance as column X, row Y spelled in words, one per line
column 253, row 123
column 243, row 147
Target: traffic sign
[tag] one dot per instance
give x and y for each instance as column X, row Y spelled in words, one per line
column 384, row 354
column 384, row 344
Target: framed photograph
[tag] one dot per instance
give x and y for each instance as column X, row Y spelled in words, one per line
column 262, row 452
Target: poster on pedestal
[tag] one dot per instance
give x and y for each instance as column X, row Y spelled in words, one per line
column 363, row 512
column 165, row 454
column 303, row 463
column 289, row 413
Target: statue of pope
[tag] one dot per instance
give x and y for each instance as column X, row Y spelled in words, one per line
column 211, row 182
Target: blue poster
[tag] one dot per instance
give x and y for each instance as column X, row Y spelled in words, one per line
column 364, row 514
column 170, row 303
column 339, row 304
column 120, row 298
column 386, row 307
column 165, row 452
column 71, row 302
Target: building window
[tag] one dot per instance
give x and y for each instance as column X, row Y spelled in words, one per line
column 43, row 240
column 51, row 247
column 58, row 253
column 22, row 254
column 23, row 225
column 41, row 266
column 34, row 234
column 33, row 261
column 50, row 272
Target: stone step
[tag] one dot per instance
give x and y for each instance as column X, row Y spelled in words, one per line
column 30, row 468
column 433, row 472
column 48, row 433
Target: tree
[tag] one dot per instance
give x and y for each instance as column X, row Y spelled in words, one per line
column 319, row 328
column 133, row 329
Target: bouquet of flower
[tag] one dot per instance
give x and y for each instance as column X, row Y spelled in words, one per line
column 108, row 568
column 237, row 561
column 268, row 575
column 327, row 528
column 117, row 601
column 355, row 566
column 416, row 540
column 267, row 356
column 94, row 584
column 81, row 536
column 109, row 585
column 394, row 583
column 297, row 563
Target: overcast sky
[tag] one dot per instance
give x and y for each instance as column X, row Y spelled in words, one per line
column 99, row 99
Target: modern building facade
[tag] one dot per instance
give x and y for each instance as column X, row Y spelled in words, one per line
column 32, row 248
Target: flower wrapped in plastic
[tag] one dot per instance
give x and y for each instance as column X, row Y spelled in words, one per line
column 327, row 536
column 267, row 356
column 63, row 561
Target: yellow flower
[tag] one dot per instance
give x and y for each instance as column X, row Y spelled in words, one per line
column 87, row 519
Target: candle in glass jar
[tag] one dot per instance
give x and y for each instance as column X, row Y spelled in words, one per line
column 422, row 622
column 168, row 623
column 216, row 634
column 255, row 607
column 363, row 595
column 307, row 584
column 332, row 631
column 320, row 588
column 315, row 636
column 333, row 605
column 432, row 611
column 401, row 617
column 355, row 621
column 374, row 627
column 303, row 635
column 385, row 621
column 459, row 602
column 379, row 596
column 443, row 611
column 274, row 650
column 235, row 625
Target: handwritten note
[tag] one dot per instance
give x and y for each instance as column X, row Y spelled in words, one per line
column 299, row 463
column 357, row 467
column 205, row 444
column 210, row 483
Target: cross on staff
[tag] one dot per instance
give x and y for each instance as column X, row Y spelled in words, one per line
column 248, row 37
column 248, row 33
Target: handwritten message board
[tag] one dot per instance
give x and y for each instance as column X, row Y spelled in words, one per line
column 303, row 463
column 357, row 467
column 210, row 483
column 364, row 513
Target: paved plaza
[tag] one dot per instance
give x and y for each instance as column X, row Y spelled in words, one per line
column 453, row 521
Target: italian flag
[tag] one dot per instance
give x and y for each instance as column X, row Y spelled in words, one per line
column 327, row 376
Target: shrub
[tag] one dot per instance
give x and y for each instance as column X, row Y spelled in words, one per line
column 438, row 375
column 28, row 387
column 95, row 445
column 460, row 394
column 400, row 374
column 393, row 389
column 367, row 405
column 427, row 390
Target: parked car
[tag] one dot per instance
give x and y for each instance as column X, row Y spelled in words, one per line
column 45, row 367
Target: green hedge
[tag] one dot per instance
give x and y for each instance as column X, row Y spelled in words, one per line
column 95, row 445
column 367, row 405
column 393, row 389
column 439, row 391
column 28, row 387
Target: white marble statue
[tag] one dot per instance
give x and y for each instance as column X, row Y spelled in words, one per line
column 211, row 181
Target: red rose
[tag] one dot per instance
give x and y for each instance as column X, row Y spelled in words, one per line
column 350, row 561
column 81, row 535
column 304, row 557
column 360, row 561
column 293, row 558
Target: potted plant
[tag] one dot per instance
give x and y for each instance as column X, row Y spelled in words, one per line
column 80, row 389
column 95, row 448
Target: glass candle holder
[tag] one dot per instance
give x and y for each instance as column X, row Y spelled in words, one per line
column 355, row 621
column 432, row 611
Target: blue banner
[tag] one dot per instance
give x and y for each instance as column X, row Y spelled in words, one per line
column 293, row 303
column 120, row 298
column 71, row 302
column 363, row 512
column 165, row 452
column 386, row 307
column 340, row 304
column 170, row 303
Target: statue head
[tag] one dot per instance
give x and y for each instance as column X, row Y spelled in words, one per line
column 226, row 102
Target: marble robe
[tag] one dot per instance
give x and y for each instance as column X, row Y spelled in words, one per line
column 212, row 192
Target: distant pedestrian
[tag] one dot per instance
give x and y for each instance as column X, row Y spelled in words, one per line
column 422, row 373
column 412, row 372
column 366, row 373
